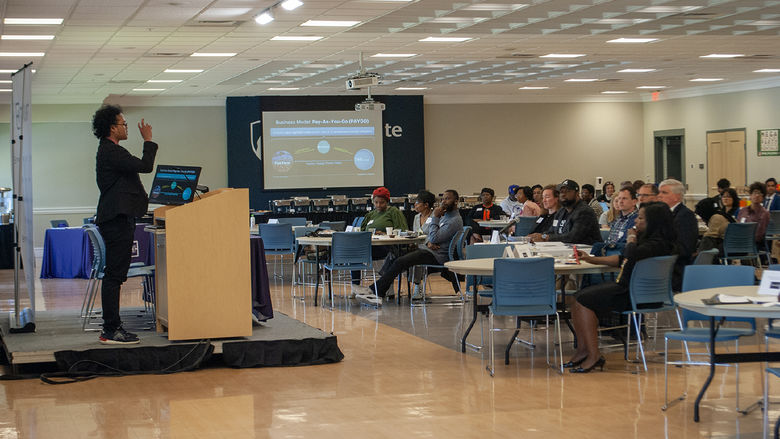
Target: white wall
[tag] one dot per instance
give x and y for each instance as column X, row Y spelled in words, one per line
column 752, row 110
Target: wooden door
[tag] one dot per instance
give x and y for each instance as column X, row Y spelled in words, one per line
column 725, row 159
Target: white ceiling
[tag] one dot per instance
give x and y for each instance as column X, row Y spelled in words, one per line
column 110, row 47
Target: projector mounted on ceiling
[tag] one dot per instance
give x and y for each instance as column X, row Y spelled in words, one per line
column 362, row 80
column 365, row 80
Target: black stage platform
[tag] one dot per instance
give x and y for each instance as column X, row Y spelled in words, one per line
column 282, row 341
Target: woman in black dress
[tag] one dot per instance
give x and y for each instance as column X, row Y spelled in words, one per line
column 653, row 235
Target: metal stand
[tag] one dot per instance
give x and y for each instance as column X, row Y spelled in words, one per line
column 20, row 320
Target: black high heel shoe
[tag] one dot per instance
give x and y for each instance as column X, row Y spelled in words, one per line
column 599, row 364
column 570, row 364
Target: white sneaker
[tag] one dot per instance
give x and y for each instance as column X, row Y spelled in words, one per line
column 358, row 290
column 417, row 294
column 369, row 299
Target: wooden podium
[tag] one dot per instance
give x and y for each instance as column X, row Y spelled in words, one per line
column 203, row 279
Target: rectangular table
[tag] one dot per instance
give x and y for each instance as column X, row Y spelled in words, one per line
column 692, row 300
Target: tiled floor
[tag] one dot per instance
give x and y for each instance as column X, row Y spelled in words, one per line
column 403, row 376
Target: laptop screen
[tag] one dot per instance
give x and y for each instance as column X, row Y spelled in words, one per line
column 174, row 184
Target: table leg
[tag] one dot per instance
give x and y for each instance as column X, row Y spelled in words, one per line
column 566, row 317
column 473, row 320
column 712, row 370
column 317, row 278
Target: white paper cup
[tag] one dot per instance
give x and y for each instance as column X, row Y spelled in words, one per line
column 389, row 231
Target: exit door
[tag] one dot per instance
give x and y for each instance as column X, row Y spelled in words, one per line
column 669, row 155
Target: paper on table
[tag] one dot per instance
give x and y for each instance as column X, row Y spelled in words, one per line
column 727, row 298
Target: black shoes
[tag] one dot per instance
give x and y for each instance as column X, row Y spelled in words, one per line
column 570, row 364
column 599, row 364
column 118, row 336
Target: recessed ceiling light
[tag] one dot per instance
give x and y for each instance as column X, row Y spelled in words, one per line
column 764, row 23
column 636, row 70
column 494, row 7
column 148, row 89
column 215, row 54
column 622, row 20
column 32, row 21
column 562, row 55
column 22, row 54
column 264, row 18
column 291, row 38
column 411, row 88
column 437, row 66
column 706, row 79
column 668, row 9
column 330, row 23
column 291, row 4
column 557, row 66
column 283, row 88
column 653, row 87
column 165, row 80
column 512, row 74
column 27, row 37
column 613, row 92
column 581, row 80
column 393, row 55
column 767, row 71
column 633, row 40
column 533, row 88
column 722, row 55
column 445, row 39
column 183, row 70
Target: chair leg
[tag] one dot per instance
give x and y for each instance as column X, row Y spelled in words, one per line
column 736, row 369
column 639, row 338
column 667, row 403
column 491, row 352
column 560, row 342
column 765, row 417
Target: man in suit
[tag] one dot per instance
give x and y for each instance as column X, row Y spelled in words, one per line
column 772, row 201
column 122, row 200
column 671, row 192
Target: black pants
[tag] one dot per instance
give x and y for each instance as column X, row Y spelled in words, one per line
column 417, row 257
column 118, row 235
column 377, row 252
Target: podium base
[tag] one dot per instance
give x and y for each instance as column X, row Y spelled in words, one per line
column 26, row 322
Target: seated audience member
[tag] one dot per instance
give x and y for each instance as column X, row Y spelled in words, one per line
column 647, row 193
column 717, row 220
column 607, row 190
column 654, row 236
column 382, row 216
column 723, row 184
column 729, row 202
column 618, row 231
column 755, row 213
column 483, row 212
column 445, row 223
column 686, row 226
column 537, row 189
column 637, row 184
column 551, row 204
column 424, row 207
column 771, row 201
column 526, row 196
column 510, row 205
column 587, row 194
column 611, row 214
column 626, row 183
column 575, row 222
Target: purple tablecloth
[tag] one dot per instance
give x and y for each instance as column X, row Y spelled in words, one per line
column 67, row 252
column 261, row 289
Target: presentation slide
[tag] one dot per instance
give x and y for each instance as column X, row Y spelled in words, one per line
column 322, row 149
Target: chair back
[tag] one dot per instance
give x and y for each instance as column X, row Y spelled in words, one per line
column 277, row 237
column 59, row 223
column 773, row 227
column 98, row 249
column 604, row 234
column 700, row 277
column 357, row 221
column 457, row 244
column 336, row 226
column 527, row 283
column 774, row 267
column 651, row 283
column 479, row 251
column 604, row 206
column 351, row 248
column 706, row 257
column 293, row 221
column 740, row 238
column 524, row 225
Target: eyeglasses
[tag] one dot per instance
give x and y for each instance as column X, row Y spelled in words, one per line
column 644, row 195
column 124, row 123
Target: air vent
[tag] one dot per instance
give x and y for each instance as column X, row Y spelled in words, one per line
column 611, row 80
column 516, row 55
column 166, row 54
column 219, row 23
column 757, row 57
column 126, row 81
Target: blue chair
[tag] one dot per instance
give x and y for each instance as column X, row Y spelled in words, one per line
column 699, row 277
column 293, row 221
column 775, row 267
column 479, row 251
column 59, row 223
column 455, row 252
column 96, row 277
column 706, row 257
column 336, row 226
column 278, row 241
column 357, row 221
column 524, row 225
column 772, row 233
column 604, row 206
column 776, row 372
column 524, row 288
column 349, row 252
column 739, row 243
column 651, row 292
column 301, row 261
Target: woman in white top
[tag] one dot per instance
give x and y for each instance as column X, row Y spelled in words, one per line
column 424, row 207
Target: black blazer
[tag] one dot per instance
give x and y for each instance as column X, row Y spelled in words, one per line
column 121, row 190
column 687, row 229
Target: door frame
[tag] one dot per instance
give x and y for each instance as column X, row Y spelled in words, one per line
column 707, row 154
column 667, row 133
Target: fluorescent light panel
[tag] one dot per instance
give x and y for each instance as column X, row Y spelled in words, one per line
column 294, row 38
column 330, row 23
column 33, row 21
column 283, row 88
column 22, row 54
column 652, row 87
column 393, row 55
column 5, row 90
column 183, row 70
column 622, row 20
column 289, row 5
column 706, row 79
column 5, row 81
column 494, row 7
column 164, row 80
column 722, row 55
column 148, row 89
column 27, row 37
column 767, row 71
column 533, row 88
column 581, row 80
column 636, row 70
column 633, row 40
column 264, row 18
column 668, row 9
column 562, row 55
column 445, row 39
column 214, row 54
column 613, row 92
column 411, row 88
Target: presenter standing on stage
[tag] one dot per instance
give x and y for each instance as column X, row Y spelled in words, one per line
column 122, row 200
